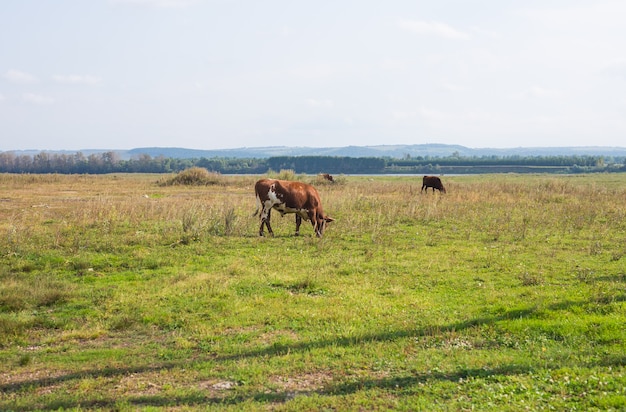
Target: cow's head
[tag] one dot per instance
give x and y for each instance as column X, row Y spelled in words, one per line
column 320, row 223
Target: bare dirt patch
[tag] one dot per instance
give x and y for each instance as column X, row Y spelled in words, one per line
column 308, row 382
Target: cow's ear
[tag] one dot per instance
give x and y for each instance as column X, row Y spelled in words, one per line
column 329, row 219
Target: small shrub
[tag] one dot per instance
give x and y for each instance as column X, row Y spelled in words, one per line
column 529, row 279
column 193, row 225
column 585, row 275
column 10, row 328
column 17, row 295
column 229, row 221
column 52, row 296
column 24, row 360
column 320, row 180
column 12, row 300
column 79, row 265
column 195, row 176
column 122, row 322
column 284, row 174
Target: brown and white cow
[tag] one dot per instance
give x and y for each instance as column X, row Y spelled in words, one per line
column 290, row 197
column 434, row 182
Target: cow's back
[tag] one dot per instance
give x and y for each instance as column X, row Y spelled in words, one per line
column 297, row 195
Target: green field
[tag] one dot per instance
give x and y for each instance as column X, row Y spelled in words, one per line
column 507, row 293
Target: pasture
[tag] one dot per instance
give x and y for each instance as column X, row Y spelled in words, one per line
column 506, row 293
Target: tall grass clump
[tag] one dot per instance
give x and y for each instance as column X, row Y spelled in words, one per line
column 194, row 176
column 19, row 293
column 320, row 180
column 230, row 220
column 201, row 220
column 194, row 223
column 284, row 174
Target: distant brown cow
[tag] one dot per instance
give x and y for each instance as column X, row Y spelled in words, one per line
column 434, row 182
column 290, row 197
column 328, row 177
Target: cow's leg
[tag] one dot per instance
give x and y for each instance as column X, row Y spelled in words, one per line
column 316, row 225
column 298, row 223
column 265, row 220
column 319, row 228
column 262, row 222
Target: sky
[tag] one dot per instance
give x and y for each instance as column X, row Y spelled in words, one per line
column 219, row 74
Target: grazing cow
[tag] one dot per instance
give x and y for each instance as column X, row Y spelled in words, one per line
column 434, row 182
column 328, row 177
column 290, row 197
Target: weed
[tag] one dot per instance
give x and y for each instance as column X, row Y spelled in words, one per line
column 194, row 176
column 585, row 274
column 284, row 174
column 230, row 219
column 12, row 328
column 191, row 225
column 529, row 279
column 24, row 359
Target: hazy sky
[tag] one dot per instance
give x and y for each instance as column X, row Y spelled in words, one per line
column 209, row 74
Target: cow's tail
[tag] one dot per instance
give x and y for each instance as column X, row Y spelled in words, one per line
column 258, row 206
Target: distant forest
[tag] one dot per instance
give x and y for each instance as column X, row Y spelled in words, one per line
column 109, row 162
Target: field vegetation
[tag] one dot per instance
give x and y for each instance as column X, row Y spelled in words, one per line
column 145, row 291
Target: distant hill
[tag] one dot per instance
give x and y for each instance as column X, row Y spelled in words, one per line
column 390, row 151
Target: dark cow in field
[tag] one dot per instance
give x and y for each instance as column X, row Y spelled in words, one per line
column 290, row 197
column 328, row 177
column 434, row 182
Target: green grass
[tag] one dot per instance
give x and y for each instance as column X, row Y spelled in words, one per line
column 508, row 293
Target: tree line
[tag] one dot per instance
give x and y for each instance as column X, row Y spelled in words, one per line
column 110, row 162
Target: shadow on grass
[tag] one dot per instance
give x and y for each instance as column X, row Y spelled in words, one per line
column 333, row 389
column 96, row 373
column 396, row 384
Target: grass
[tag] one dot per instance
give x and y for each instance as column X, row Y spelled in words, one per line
column 119, row 292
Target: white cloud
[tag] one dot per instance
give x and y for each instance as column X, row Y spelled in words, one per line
column 313, row 71
column 37, row 98
column 432, row 114
column 323, row 103
column 452, row 87
column 486, row 33
column 394, row 64
column 432, row 29
column 594, row 14
column 537, row 92
column 286, row 31
column 402, row 115
column 422, row 112
column 16, row 76
column 446, row 121
column 157, row 3
column 616, row 68
column 77, row 79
